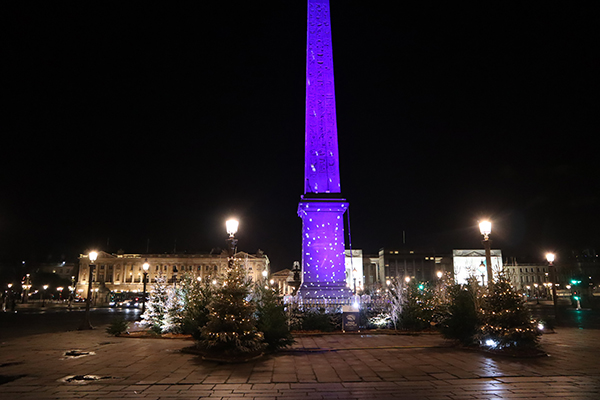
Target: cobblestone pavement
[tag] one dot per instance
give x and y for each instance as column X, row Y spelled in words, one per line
column 351, row 366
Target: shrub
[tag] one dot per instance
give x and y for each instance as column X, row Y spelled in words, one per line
column 117, row 326
column 317, row 320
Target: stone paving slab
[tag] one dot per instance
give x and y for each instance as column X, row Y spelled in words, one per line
column 356, row 366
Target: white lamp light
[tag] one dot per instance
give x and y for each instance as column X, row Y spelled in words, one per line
column 232, row 226
column 486, row 228
column 93, row 256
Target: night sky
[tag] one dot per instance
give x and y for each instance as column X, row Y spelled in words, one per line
column 144, row 126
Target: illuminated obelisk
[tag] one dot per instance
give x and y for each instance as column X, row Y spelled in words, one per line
column 322, row 206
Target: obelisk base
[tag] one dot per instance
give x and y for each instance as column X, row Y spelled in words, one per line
column 323, row 255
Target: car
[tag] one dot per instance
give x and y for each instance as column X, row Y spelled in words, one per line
column 128, row 303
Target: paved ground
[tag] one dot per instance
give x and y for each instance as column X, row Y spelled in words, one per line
column 318, row 367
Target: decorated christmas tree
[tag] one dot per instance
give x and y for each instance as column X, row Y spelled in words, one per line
column 174, row 309
column 195, row 294
column 231, row 331
column 156, row 306
column 507, row 322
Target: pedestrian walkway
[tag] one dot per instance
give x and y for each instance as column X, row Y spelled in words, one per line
column 351, row 366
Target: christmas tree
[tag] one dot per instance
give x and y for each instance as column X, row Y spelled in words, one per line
column 156, row 306
column 272, row 317
column 461, row 321
column 174, row 308
column 231, row 331
column 506, row 319
column 195, row 294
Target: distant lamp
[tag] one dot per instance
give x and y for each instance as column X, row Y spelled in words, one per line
column 440, row 274
column 407, row 279
column 92, row 256
column 550, row 258
column 145, row 267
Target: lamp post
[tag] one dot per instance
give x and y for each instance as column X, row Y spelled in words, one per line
column 7, row 300
column 145, row 267
column 44, row 297
column 86, row 322
column 550, row 258
column 485, row 227
column 26, row 286
column 232, row 227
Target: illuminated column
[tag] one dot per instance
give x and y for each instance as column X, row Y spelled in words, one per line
column 322, row 206
column 321, row 169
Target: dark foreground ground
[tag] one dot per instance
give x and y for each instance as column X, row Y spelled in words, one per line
column 345, row 366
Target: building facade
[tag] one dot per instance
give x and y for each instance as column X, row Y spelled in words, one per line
column 123, row 273
column 417, row 264
column 529, row 278
column 472, row 263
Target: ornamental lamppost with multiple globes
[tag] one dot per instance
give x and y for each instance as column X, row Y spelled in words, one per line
column 485, row 227
column 550, row 258
column 86, row 322
column 145, row 267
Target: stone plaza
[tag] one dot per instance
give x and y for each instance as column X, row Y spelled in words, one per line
column 344, row 366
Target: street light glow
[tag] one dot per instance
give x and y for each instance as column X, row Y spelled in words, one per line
column 485, row 227
column 232, row 226
column 93, row 256
column 550, row 257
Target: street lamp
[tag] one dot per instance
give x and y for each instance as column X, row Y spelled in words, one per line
column 485, row 227
column 26, row 286
column 86, row 322
column 232, row 227
column 145, row 267
column 550, row 258
column 44, row 297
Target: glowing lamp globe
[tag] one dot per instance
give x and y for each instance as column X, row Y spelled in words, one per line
column 550, row 257
column 485, row 227
column 93, row 256
column 232, row 226
column 146, row 267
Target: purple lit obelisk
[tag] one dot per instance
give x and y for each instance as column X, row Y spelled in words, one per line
column 322, row 206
